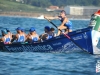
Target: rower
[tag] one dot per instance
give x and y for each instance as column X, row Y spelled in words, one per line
column 48, row 34
column 65, row 23
column 9, row 32
column 6, row 39
column 53, row 32
column 33, row 37
column 20, row 36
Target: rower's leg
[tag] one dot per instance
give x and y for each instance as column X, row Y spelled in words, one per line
column 61, row 28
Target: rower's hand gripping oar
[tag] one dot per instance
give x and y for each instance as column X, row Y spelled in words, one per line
column 66, row 35
column 57, row 28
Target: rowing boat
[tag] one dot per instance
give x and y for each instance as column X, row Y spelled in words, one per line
column 85, row 39
column 57, row 44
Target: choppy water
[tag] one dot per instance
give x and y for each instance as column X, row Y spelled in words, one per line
column 29, row 63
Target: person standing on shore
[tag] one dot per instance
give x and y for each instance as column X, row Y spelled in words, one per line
column 65, row 23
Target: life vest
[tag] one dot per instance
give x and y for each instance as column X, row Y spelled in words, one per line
column 21, row 38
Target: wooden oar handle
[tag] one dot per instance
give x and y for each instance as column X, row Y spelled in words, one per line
column 51, row 22
column 47, row 19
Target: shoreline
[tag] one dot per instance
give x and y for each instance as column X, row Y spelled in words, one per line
column 36, row 15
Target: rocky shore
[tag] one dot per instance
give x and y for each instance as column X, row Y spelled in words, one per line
column 31, row 14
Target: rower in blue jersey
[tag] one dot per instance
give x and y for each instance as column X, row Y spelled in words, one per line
column 20, row 36
column 53, row 32
column 66, row 24
column 9, row 33
column 33, row 37
column 6, row 39
column 48, row 34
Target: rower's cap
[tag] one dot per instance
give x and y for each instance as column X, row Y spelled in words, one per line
column 32, row 29
column 3, row 32
column 47, row 27
column 19, row 28
column 22, row 30
column 7, row 30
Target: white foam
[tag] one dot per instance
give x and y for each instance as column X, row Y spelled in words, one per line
column 40, row 17
column 78, row 19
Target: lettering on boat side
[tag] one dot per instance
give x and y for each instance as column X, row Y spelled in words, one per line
column 70, row 46
column 85, row 36
column 78, row 31
column 55, row 44
column 77, row 37
column 58, row 37
column 30, row 48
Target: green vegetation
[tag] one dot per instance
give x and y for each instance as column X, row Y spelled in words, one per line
column 6, row 5
column 46, row 3
column 76, row 2
column 40, row 5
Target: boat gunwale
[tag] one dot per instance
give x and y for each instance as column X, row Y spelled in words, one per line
column 50, row 40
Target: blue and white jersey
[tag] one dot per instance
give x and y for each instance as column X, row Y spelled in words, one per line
column 34, row 38
column 68, row 24
column 21, row 38
column 7, row 40
column 50, row 36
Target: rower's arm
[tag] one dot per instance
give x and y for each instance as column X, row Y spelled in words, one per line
column 2, row 39
column 65, row 21
column 13, row 38
column 27, row 37
column 16, row 37
column 51, row 18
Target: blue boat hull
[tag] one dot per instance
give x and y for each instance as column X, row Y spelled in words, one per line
column 58, row 44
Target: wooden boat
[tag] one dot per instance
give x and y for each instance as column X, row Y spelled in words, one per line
column 57, row 44
column 86, row 39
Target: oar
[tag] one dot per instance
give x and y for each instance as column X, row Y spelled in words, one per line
column 66, row 35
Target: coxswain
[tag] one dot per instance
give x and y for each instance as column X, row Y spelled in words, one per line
column 65, row 23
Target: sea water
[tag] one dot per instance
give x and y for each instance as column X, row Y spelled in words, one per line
column 30, row 63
